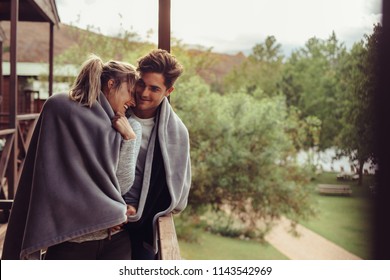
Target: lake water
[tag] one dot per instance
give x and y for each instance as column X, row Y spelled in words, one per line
column 326, row 161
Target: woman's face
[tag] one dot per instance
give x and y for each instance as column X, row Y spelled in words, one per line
column 122, row 98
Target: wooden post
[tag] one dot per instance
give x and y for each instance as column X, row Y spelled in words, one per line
column 13, row 99
column 169, row 246
column 51, row 59
column 164, row 25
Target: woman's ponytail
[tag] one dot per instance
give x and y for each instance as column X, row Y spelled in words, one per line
column 87, row 85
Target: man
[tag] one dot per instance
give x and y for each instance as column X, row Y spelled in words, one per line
column 163, row 171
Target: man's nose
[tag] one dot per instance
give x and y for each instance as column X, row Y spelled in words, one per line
column 143, row 91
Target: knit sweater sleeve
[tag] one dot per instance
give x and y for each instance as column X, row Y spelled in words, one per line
column 128, row 158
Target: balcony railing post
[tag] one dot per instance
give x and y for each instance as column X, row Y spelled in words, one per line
column 168, row 244
column 13, row 97
column 51, row 58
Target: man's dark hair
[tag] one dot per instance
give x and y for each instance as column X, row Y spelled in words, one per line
column 161, row 61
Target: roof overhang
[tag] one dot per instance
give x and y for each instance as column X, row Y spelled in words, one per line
column 31, row 10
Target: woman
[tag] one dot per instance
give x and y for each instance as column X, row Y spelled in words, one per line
column 81, row 159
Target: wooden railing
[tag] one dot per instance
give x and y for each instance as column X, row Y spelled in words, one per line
column 7, row 135
column 22, row 134
column 25, row 126
column 168, row 244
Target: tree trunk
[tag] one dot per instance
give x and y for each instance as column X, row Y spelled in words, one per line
column 360, row 172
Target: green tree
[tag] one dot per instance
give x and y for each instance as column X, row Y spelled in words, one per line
column 310, row 82
column 241, row 155
column 260, row 73
column 359, row 84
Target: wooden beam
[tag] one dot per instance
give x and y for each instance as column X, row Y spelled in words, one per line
column 4, row 132
column 27, row 117
column 13, row 84
column 5, row 154
column 164, row 25
column 169, row 246
column 13, row 99
column 51, row 58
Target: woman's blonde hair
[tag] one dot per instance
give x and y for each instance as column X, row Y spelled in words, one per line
column 94, row 73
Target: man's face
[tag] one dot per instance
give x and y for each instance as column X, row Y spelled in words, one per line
column 149, row 93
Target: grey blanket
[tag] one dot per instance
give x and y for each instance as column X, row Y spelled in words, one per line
column 173, row 137
column 68, row 185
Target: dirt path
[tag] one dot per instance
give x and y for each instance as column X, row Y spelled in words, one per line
column 307, row 246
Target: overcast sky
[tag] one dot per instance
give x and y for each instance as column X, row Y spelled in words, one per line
column 230, row 25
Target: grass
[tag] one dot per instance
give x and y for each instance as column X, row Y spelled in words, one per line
column 214, row 247
column 345, row 220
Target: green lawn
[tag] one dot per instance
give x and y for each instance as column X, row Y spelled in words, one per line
column 213, row 247
column 345, row 220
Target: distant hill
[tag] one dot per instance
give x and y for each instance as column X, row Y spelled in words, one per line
column 222, row 65
column 33, row 41
column 33, row 46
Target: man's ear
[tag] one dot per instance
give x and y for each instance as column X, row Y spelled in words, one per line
column 168, row 92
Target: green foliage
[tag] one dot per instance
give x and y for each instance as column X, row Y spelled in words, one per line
column 260, row 73
column 304, row 132
column 241, row 154
column 269, row 51
column 189, row 226
column 359, row 85
column 310, row 82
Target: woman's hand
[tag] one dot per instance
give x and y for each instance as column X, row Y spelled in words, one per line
column 131, row 210
column 116, row 228
column 122, row 125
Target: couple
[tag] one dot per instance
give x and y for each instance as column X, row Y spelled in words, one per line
column 105, row 161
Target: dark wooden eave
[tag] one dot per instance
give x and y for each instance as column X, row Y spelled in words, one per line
column 31, row 10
